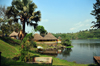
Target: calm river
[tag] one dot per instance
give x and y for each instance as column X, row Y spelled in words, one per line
column 82, row 52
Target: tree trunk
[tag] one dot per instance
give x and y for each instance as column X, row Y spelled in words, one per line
column 24, row 26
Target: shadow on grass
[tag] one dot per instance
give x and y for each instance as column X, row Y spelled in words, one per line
column 54, row 55
column 93, row 65
column 9, row 62
column 11, row 41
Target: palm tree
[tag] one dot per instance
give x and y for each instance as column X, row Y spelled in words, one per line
column 25, row 10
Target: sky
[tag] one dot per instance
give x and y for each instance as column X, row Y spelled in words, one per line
column 62, row 16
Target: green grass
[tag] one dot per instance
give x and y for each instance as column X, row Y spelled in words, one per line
column 8, row 52
column 69, row 47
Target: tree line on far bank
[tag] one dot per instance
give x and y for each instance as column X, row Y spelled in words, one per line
column 85, row 34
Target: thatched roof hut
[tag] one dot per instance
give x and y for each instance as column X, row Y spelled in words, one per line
column 49, row 36
column 37, row 37
column 13, row 34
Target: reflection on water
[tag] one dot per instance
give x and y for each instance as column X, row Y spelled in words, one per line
column 66, row 52
column 82, row 52
column 89, row 45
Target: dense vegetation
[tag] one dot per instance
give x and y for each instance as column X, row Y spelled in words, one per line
column 85, row 34
column 9, row 51
column 96, row 14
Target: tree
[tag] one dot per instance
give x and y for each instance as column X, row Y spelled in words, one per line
column 6, row 24
column 2, row 12
column 25, row 46
column 40, row 29
column 7, row 29
column 25, row 10
column 96, row 13
column 66, row 41
column 3, row 18
column 63, row 35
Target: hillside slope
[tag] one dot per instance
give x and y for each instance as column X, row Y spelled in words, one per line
column 7, row 50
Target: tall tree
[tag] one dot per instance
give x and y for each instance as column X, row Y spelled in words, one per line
column 96, row 13
column 6, row 25
column 2, row 12
column 40, row 29
column 3, row 19
column 25, row 10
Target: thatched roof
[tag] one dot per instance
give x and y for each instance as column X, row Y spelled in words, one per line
column 13, row 34
column 49, row 36
column 59, row 37
column 37, row 37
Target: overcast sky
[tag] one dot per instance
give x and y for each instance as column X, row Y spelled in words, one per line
column 63, row 16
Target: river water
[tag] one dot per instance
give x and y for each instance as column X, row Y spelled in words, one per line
column 82, row 52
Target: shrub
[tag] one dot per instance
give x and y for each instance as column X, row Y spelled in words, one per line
column 33, row 44
column 25, row 46
column 66, row 41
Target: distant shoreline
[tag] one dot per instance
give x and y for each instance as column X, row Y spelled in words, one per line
column 86, row 38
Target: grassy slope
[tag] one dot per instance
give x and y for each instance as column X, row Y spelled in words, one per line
column 9, row 51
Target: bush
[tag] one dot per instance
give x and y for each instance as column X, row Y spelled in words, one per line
column 28, row 37
column 25, row 46
column 66, row 42
column 33, row 44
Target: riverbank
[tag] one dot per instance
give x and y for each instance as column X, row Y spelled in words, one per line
column 9, row 51
column 93, row 38
column 86, row 38
column 69, row 46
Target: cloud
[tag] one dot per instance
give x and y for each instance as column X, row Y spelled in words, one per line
column 44, row 20
column 88, row 20
column 86, row 24
column 77, row 23
column 72, row 28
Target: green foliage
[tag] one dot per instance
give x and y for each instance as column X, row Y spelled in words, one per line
column 28, row 37
column 24, row 50
column 25, row 9
column 7, row 29
column 33, row 44
column 96, row 13
column 25, row 46
column 40, row 29
column 85, row 34
column 66, row 41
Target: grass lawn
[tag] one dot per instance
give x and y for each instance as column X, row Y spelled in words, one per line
column 9, row 51
column 69, row 47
